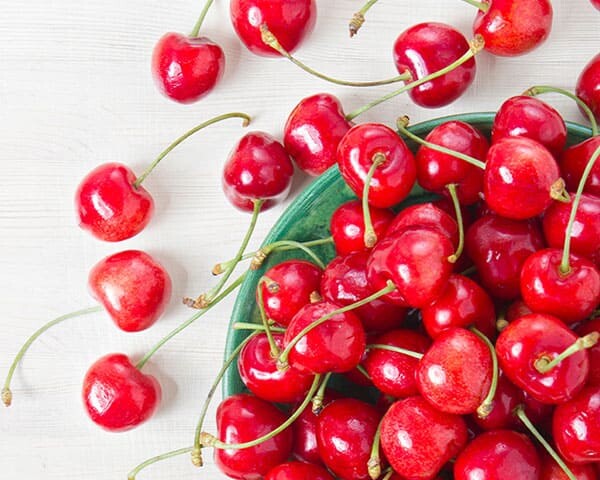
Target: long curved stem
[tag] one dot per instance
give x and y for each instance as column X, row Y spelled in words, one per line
column 6, row 392
column 182, row 451
column 263, row 316
column 358, row 19
column 486, row 406
column 374, row 463
column 186, row 135
column 544, row 365
column 392, row 348
column 459, row 220
column 370, row 237
column 201, row 18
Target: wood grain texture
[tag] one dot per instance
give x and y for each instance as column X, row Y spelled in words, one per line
column 75, row 91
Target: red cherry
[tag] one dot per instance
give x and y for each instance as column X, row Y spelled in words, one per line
column 596, row 3
column 109, row 206
column 514, row 27
column 117, row 396
column 418, row 440
column 500, row 415
column 426, row 48
column 345, row 433
column 573, row 162
column 133, row 288
column 588, row 85
column 594, row 352
column 313, row 131
column 498, row 455
column 298, row 471
column 576, row 427
column 516, row 310
column 425, row 215
column 552, row 471
column 393, row 178
column 186, row 69
column 525, row 116
column 258, row 168
column 244, row 418
column 289, row 20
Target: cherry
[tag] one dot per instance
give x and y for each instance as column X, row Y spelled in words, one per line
column 515, row 310
column 345, row 434
column 586, row 328
column 426, row 48
column 117, row 396
column 525, row 116
column 313, row 131
column 588, row 85
column 511, row 27
column 500, row 414
column 298, row 471
column 418, row 439
column 498, row 455
column 572, row 164
column 596, row 3
column 552, row 470
column 289, row 20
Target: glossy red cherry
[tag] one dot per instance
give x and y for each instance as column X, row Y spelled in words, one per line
column 133, row 288
column 313, row 131
column 289, row 20
column 393, row 179
column 117, row 396
column 514, row 27
column 244, row 418
column 498, row 455
column 425, row 215
column 525, row 116
column 426, row 48
column 572, row 164
column 576, row 427
column 109, row 206
column 185, row 69
column 418, row 440
column 345, row 433
column 588, row 85
column 258, row 168
column 298, row 471
column 586, row 328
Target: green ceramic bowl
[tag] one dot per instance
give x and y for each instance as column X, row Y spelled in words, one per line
column 307, row 218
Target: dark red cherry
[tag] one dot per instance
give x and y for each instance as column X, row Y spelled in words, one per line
column 514, row 27
column 186, row 69
column 418, row 439
column 553, row 471
column 295, row 281
column 426, row 48
column 258, row 168
column 435, row 170
column 498, row 455
column 289, row 20
column 347, row 226
column 345, row 433
column 345, row 281
column 576, row 427
column 109, row 206
column 506, row 399
column 117, row 396
column 525, row 116
column 519, row 178
column 133, row 288
column 313, row 131
column 586, row 328
column 588, row 85
column 572, row 164
column 425, row 215
column 298, row 471
column 393, row 179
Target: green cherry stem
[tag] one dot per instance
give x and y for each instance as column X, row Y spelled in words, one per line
column 544, row 364
column 6, row 392
column 565, row 268
column 475, row 46
column 282, row 361
column 392, row 348
column 182, row 451
column 370, row 237
column 186, row 135
column 520, row 413
column 256, row 327
column 540, row 89
column 483, row 6
column 208, row 440
column 358, row 19
column 189, row 321
column 201, row 18
column 374, row 463
column 270, row 39
column 363, row 372
column 273, row 287
column 459, row 220
column 388, row 474
column 486, row 406
column 317, row 400
column 402, row 126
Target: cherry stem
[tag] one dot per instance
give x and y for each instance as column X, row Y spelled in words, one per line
column 201, row 18
column 486, row 406
column 263, row 315
column 389, row 473
column 256, row 326
column 564, row 264
column 271, row 41
column 197, row 449
column 358, row 19
column 484, row 7
column 374, row 463
column 282, row 362
column 6, row 392
column 540, row 89
column 370, row 237
column 317, row 400
column 186, row 135
column 544, row 364
column 189, row 321
column 558, row 191
column 502, row 322
column 459, row 220
column 475, row 46
column 363, row 372
column 392, row 348
column 209, row 440
column 402, row 126
column 520, row 413
column 182, row 451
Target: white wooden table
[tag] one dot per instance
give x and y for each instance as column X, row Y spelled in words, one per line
column 75, row 91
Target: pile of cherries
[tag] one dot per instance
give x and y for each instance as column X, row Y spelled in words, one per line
column 471, row 320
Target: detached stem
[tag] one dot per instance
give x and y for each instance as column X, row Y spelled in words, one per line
column 392, row 348
column 182, row 451
column 186, row 135
column 201, row 18
column 6, row 392
column 459, row 220
column 484, row 7
column 486, row 406
column 544, row 364
column 370, row 237
column 359, row 18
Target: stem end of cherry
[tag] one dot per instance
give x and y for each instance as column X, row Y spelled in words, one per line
column 357, row 21
column 501, row 324
column 258, row 259
column 217, row 269
column 207, row 439
column 477, row 43
column 558, row 191
column 484, row 410
column 7, row 397
column 197, row 457
column 374, row 467
column 370, row 238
